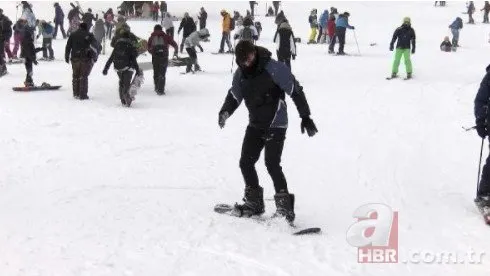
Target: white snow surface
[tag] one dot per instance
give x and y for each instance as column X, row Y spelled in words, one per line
column 94, row 188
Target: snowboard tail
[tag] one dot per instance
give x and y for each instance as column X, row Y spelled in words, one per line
column 36, row 88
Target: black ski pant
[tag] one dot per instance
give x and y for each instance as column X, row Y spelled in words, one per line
column 184, row 36
column 272, row 140
column 470, row 18
column 170, row 32
column 320, row 33
column 2, row 58
column 202, row 24
column 225, row 37
column 108, row 27
column 340, row 35
column 276, row 8
column 284, row 58
column 252, row 9
column 485, row 17
column 60, row 25
column 125, row 78
column 28, row 64
column 47, row 46
column 193, row 60
column 160, row 65
column 81, row 70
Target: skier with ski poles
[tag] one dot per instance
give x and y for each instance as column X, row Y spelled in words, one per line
column 405, row 37
column 262, row 84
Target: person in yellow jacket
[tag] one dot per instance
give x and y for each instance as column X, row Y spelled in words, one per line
column 228, row 25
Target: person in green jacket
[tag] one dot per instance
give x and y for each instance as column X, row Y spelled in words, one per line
column 405, row 37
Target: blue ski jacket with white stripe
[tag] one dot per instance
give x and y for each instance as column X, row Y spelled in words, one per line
column 263, row 88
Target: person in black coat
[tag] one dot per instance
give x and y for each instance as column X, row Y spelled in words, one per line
column 482, row 118
column 286, row 45
column 163, row 8
column 59, row 19
column 276, row 6
column 5, row 35
column 405, row 40
column 88, row 18
column 262, row 83
column 188, row 25
column 28, row 51
column 203, row 17
column 78, row 46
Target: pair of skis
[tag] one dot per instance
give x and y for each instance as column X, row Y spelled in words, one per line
column 228, row 209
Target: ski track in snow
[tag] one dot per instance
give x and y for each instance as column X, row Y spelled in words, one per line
column 95, row 188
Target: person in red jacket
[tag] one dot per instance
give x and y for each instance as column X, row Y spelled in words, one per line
column 158, row 44
column 154, row 11
column 331, row 26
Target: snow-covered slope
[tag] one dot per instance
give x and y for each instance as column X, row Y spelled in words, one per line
column 93, row 188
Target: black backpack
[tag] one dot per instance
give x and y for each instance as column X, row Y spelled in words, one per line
column 122, row 54
column 232, row 24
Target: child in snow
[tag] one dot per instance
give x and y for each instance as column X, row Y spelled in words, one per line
column 312, row 19
column 446, row 45
column 47, row 31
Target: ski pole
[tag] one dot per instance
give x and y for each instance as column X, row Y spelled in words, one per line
column 355, row 37
column 479, row 168
column 232, row 57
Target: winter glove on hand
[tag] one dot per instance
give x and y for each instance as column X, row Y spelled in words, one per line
column 307, row 123
column 37, row 36
column 223, row 116
column 35, row 62
column 294, row 57
column 104, row 72
column 481, row 129
column 353, row 28
column 391, row 48
column 67, row 60
column 413, row 51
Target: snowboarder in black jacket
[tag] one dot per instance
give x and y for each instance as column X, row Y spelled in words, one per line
column 405, row 37
column 263, row 83
column 5, row 35
column 189, row 27
column 88, row 18
column 124, row 58
column 28, row 51
column 203, row 17
column 79, row 47
column 482, row 116
column 286, row 45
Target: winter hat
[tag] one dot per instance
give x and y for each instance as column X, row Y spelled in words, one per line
column 89, row 10
column 83, row 26
column 157, row 27
column 1, row 11
column 243, row 49
column 406, row 20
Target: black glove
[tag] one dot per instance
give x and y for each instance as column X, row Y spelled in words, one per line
column 413, row 51
column 223, row 116
column 35, row 62
column 104, row 72
column 37, row 36
column 67, row 59
column 481, row 128
column 307, row 123
column 391, row 47
column 353, row 28
column 294, row 57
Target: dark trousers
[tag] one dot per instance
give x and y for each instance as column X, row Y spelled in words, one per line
column 170, row 32
column 47, row 45
column 225, row 37
column 29, row 73
column 125, row 78
column 192, row 61
column 2, row 57
column 81, row 70
column 60, row 25
column 184, row 36
column 108, row 27
column 320, row 32
column 252, row 9
column 272, row 140
column 276, row 9
column 160, row 65
column 284, row 58
column 155, row 16
column 470, row 18
column 202, row 25
column 484, row 188
column 340, row 35
column 485, row 17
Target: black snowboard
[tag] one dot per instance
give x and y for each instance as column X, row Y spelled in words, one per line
column 228, row 209
column 35, row 88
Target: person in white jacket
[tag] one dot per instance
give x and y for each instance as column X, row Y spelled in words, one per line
column 190, row 43
column 168, row 24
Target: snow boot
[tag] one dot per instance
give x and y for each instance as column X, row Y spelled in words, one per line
column 3, row 70
column 394, row 75
column 284, row 206
column 482, row 201
column 253, row 203
column 409, row 76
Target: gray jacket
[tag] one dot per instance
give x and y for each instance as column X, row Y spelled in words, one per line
column 194, row 38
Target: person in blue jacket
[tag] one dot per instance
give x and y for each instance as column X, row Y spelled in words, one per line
column 59, row 18
column 482, row 116
column 323, row 27
column 455, row 27
column 342, row 24
column 262, row 84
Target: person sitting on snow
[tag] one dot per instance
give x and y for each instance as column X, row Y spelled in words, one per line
column 446, row 45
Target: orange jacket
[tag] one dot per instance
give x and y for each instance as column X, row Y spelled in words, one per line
column 226, row 23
